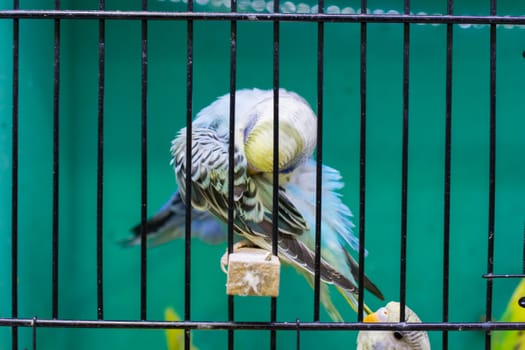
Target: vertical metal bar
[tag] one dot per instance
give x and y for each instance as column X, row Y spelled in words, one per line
column 276, row 26
column 231, row 150
column 319, row 161
column 189, row 141
column 298, row 335
column 144, row 168
column 523, row 253
column 56, row 128
column 100, row 162
column 492, row 171
column 404, row 170
column 14, row 181
column 33, row 326
column 448, row 140
column 275, row 203
column 362, row 168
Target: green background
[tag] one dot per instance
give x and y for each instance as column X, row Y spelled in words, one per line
column 166, row 114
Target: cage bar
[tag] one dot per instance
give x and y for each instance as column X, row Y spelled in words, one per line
column 251, row 326
column 144, row 16
column 448, row 154
column 144, row 167
column 100, row 162
column 492, row 172
column 362, row 165
column 523, row 253
column 56, row 148
column 298, row 335
column 14, row 178
column 231, row 159
column 404, row 165
column 33, row 333
column 319, row 163
column 275, row 177
column 189, row 142
column 291, row 17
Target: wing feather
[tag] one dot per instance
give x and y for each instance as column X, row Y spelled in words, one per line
column 209, row 175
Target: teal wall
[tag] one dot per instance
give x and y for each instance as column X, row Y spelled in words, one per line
column 166, row 113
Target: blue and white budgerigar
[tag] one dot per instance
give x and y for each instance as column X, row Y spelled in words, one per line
column 253, row 186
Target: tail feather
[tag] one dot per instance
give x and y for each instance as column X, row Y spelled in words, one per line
column 369, row 285
column 169, row 224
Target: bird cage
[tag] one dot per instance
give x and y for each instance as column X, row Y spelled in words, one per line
column 419, row 106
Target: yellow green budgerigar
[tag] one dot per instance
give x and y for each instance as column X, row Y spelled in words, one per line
column 392, row 340
column 253, row 188
column 175, row 337
column 515, row 340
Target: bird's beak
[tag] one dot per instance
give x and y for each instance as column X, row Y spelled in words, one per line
column 372, row 318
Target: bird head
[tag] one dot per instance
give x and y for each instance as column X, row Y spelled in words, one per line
column 297, row 133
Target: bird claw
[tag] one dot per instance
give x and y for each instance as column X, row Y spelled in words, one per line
column 236, row 247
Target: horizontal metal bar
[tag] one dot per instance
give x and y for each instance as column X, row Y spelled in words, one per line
column 495, row 275
column 312, row 17
column 290, row 326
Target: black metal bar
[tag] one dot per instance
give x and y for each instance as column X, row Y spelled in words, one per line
column 493, row 275
column 14, row 181
column 251, row 326
column 448, row 153
column 231, row 150
column 298, row 335
column 34, row 332
column 144, row 168
column 100, row 163
column 189, row 143
column 362, row 167
column 56, row 124
column 245, row 16
column 319, row 163
column 404, row 164
column 275, row 190
column 492, row 172
column 523, row 253
column 275, row 208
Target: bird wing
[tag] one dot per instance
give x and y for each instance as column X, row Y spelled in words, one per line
column 209, row 181
column 252, row 200
column 209, row 175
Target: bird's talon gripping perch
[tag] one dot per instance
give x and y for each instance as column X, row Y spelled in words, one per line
column 224, row 262
column 236, row 247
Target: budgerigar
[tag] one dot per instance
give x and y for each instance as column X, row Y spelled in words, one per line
column 175, row 337
column 392, row 340
column 253, row 184
column 514, row 312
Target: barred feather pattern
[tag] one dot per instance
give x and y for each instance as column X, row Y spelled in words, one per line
column 253, row 191
column 253, row 186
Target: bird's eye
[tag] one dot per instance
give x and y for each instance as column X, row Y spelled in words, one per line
column 398, row 335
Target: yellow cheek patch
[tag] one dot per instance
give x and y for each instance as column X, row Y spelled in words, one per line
column 259, row 147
